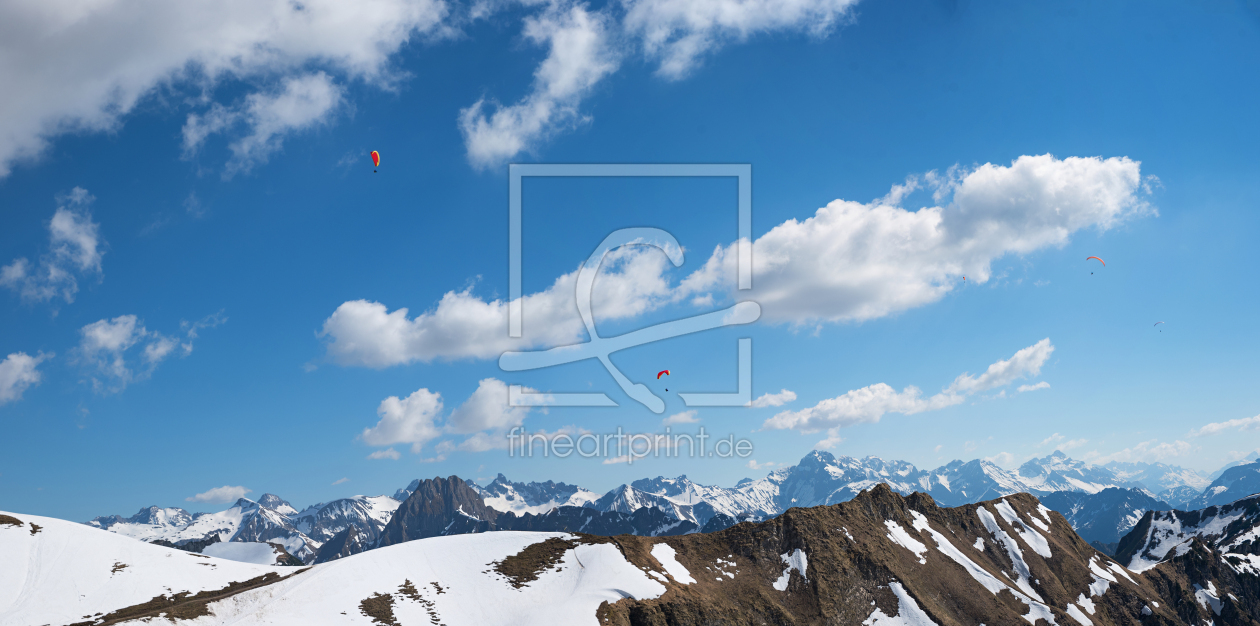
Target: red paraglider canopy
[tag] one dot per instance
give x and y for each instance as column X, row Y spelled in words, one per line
column 662, row 373
column 376, row 159
column 1099, row 260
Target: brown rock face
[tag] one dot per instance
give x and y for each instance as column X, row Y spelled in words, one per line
column 1007, row 561
column 439, row 506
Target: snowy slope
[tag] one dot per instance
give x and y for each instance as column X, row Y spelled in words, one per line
column 245, row 552
column 452, row 586
column 1233, row 529
column 67, row 571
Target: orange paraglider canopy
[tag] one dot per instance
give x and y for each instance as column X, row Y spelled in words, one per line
column 1099, row 260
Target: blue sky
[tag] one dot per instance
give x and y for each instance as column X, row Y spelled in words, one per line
column 228, row 204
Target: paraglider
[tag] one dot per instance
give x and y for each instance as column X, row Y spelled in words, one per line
column 662, row 373
column 376, row 160
column 1157, row 324
column 1097, row 259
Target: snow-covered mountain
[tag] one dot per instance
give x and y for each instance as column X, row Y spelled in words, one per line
column 822, row 478
column 244, row 521
column 520, row 498
column 441, row 507
column 1250, row 458
column 1230, row 532
column 1233, row 484
column 369, row 514
column 879, row 560
column 59, row 572
column 269, row 520
column 67, row 573
column 1103, row 518
column 1159, row 477
column 1058, row 472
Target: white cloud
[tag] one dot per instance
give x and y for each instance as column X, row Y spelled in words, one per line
column 69, row 65
column 860, row 406
column 833, row 439
column 754, row 465
column 774, row 399
column 1215, row 428
column 105, row 345
column 487, row 409
column 1059, row 442
column 849, row 262
column 340, row 481
column 18, row 371
column 579, row 56
column 1026, row 362
column 409, row 420
column 1003, row 459
column 1149, row 451
column 220, row 495
column 1041, row 385
column 631, row 281
column 299, row 103
column 74, row 250
column 485, row 416
column 1072, row 443
column 686, row 417
column 868, row 404
column 679, row 32
column 853, row 261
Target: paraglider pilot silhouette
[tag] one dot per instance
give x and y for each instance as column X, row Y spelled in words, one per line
column 601, row 347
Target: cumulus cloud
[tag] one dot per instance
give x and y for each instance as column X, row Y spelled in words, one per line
column 678, row 34
column 853, row 261
column 73, row 66
column 1003, row 459
column 686, row 417
column 1041, row 385
column 74, row 250
column 407, row 420
column 1026, row 362
column 579, row 55
column 1215, row 428
column 18, row 371
column 359, row 332
column 486, row 409
column 868, row 404
column 849, row 262
column 220, row 495
column 585, row 47
column 388, row 453
column 774, row 399
column 105, row 349
column 299, row 103
column 1151, row 451
column 417, row 419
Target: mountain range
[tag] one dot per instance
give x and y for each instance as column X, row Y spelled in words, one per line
column 878, row 559
column 1102, row 502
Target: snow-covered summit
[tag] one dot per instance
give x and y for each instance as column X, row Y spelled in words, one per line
column 533, row 497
